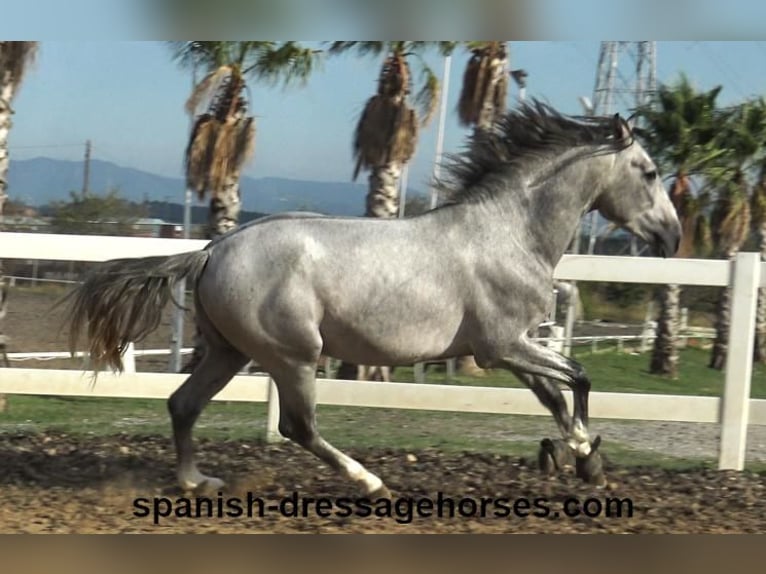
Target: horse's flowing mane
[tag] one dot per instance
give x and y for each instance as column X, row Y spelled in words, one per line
column 525, row 134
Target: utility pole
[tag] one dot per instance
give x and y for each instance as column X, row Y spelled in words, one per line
column 86, row 169
column 177, row 331
column 441, row 129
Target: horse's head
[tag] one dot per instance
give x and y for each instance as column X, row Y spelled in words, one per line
column 634, row 197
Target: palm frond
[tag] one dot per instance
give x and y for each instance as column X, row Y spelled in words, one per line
column 207, row 88
column 199, row 153
column 387, row 131
column 289, row 62
column 361, row 48
column 217, row 149
column 16, row 58
column 244, row 147
column 427, row 97
column 207, row 55
column 485, row 84
column 703, row 238
column 469, row 102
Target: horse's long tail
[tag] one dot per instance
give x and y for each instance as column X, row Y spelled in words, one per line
column 122, row 300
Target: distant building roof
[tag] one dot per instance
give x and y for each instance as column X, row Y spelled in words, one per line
column 152, row 221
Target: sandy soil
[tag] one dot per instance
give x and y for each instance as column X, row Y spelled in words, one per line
column 55, row 483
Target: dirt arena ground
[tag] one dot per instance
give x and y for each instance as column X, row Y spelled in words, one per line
column 54, row 483
column 57, row 483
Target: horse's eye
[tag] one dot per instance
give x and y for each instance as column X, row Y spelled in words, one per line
column 651, row 175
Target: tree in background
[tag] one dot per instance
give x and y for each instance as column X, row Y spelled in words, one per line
column 742, row 136
column 15, row 60
column 758, row 221
column 88, row 214
column 484, row 92
column 223, row 136
column 386, row 134
column 679, row 132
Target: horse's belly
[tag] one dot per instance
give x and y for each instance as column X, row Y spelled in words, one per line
column 403, row 345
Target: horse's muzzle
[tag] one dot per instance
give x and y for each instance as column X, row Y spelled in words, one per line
column 665, row 243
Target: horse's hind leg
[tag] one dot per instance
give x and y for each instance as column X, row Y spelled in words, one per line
column 217, row 367
column 296, row 386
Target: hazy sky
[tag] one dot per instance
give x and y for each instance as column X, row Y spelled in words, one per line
column 128, row 97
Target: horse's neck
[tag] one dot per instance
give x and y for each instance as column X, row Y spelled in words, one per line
column 542, row 211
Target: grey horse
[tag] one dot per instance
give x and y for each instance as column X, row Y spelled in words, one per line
column 470, row 277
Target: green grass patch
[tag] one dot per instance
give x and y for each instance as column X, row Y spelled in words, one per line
column 620, row 372
column 389, row 428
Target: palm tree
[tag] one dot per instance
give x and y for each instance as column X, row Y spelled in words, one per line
column 387, row 131
column 758, row 221
column 742, row 136
column 680, row 128
column 484, row 93
column 223, row 135
column 15, row 60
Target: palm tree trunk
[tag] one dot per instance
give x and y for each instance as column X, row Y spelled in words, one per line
column 225, row 207
column 759, row 350
column 722, row 322
column 223, row 217
column 383, row 194
column 6, row 94
column 665, row 353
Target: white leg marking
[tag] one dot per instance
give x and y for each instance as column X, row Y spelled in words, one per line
column 190, row 479
column 580, row 440
column 358, row 473
column 579, row 432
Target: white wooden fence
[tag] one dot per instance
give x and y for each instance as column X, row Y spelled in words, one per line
column 733, row 411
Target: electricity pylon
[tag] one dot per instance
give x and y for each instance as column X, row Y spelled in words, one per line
column 626, row 79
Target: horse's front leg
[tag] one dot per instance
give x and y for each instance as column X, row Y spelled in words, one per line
column 539, row 368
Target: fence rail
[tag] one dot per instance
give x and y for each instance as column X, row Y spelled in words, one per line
column 733, row 411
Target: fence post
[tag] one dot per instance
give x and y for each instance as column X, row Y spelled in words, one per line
column 450, row 370
column 129, row 359
column 683, row 328
column 739, row 361
column 420, row 373
column 569, row 319
column 272, row 416
column 556, row 338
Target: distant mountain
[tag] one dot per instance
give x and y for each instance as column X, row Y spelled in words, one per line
column 43, row 180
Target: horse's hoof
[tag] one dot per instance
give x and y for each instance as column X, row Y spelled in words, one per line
column 208, row 487
column 381, row 492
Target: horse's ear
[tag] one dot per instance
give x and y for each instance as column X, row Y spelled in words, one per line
column 595, row 444
column 621, row 129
